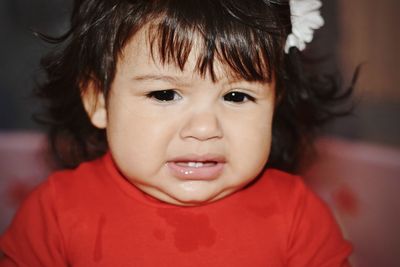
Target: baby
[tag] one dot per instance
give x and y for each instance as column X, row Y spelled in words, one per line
column 172, row 119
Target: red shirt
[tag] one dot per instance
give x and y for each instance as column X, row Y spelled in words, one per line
column 92, row 216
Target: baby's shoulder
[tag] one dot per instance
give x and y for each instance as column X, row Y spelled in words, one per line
column 83, row 175
column 283, row 183
column 288, row 190
column 69, row 185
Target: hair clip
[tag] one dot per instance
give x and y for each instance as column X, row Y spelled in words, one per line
column 305, row 18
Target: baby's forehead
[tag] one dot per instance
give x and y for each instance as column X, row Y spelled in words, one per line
column 189, row 54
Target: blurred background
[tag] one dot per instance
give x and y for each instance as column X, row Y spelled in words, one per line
column 357, row 169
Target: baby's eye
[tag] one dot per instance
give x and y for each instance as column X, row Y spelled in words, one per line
column 238, row 97
column 164, row 95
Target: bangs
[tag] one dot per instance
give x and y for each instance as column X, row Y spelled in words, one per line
column 219, row 31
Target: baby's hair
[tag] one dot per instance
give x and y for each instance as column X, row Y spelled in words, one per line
column 248, row 36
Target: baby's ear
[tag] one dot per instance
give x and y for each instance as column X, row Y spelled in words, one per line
column 95, row 105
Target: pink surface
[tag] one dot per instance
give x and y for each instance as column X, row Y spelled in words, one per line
column 22, row 166
column 360, row 182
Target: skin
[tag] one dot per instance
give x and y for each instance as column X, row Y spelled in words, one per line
column 148, row 129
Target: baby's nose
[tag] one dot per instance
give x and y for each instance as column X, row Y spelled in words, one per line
column 202, row 125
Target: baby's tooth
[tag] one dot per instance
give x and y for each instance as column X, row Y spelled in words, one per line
column 192, row 164
column 195, row 164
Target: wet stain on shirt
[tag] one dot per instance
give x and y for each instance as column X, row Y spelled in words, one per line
column 98, row 247
column 190, row 231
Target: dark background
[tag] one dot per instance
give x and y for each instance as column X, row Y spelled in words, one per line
column 20, row 53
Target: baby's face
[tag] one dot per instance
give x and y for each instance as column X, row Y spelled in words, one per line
column 183, row 138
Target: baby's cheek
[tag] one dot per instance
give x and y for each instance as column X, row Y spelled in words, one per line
column 256, row 152
column 249, row 162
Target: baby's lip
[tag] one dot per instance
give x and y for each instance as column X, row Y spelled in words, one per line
column 199, row 158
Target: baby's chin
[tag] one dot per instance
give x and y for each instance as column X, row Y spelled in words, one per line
column 196, row 198
column 191, row 202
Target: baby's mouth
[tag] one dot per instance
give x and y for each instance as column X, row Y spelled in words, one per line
column 196, row 164
column 196, row 167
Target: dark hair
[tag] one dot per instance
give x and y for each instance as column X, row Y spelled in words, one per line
column 247, row 35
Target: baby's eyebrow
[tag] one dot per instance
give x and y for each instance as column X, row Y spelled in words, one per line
column 165, row 78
